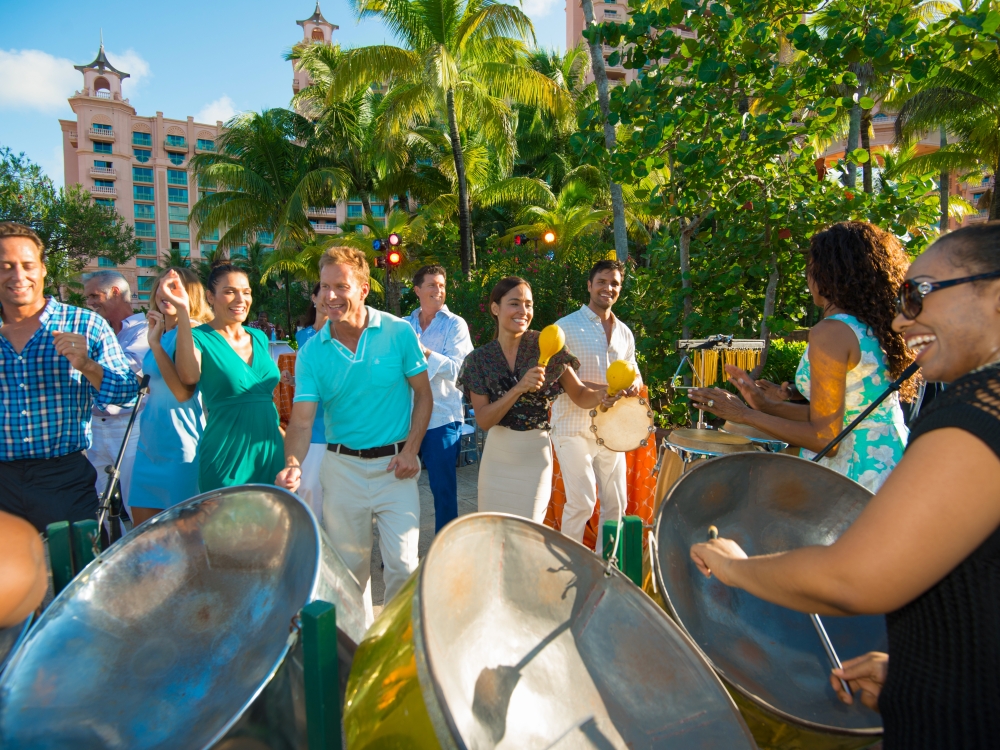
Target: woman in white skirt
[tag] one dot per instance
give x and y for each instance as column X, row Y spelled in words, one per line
column 511, row 396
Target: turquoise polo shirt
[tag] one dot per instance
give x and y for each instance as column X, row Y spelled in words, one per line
column 367, row 400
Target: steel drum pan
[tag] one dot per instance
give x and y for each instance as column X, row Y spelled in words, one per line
column 168, row 637
column 510, row 635
column 10, row 639
column 769, row 656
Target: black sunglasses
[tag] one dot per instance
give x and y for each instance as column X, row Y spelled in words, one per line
column 910, row 297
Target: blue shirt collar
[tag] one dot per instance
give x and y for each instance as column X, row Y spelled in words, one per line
column 374, row 321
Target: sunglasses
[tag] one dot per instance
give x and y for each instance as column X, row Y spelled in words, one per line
column 910, row 297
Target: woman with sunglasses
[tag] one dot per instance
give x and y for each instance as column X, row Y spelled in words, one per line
column 926, row 549
column 853, row 272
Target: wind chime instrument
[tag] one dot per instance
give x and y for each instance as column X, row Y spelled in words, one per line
column 703, row 356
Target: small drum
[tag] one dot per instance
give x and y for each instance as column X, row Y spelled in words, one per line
column 167, row 638
column 770, row 656
column 512, row 636
column 758, row 437
column 625, row 426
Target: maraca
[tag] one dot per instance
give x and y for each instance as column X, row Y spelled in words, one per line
column 620, row 376
column 550, row 342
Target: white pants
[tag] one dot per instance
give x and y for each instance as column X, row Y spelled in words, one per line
column 354, row 490
column 108, row 434
column 588, row 467
column 310, row 487
column 515, row 473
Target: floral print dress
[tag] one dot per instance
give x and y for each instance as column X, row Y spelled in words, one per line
column 876, row 445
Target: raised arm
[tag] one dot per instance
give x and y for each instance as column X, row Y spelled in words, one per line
column 168, row 371
column 186, row 356
column 584, row 395
column 938, row 505
column 489, row 414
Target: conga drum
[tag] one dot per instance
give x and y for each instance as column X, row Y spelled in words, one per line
column 510, row 635
column 769, row 656
column 168, row 638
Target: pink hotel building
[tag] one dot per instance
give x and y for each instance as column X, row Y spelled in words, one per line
column 139, row 165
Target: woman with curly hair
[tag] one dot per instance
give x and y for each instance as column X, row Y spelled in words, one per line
column 853, row 272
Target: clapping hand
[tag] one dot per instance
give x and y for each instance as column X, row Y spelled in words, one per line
column 173, row 291
column 73, row 346
column 720, row 403
column 156, row 324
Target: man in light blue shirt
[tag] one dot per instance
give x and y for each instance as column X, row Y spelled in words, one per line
column 368, row 371
column 444, row 338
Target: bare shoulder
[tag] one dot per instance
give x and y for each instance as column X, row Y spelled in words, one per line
column 834, row 337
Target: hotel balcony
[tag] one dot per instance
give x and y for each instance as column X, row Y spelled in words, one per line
column 178, row 145
column 325, row 228
column 96, row 134
column 103, row 173
column 103, row 191
column 315, row 211
column 72, row 136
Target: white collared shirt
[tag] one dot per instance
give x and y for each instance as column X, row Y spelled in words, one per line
column 132, row 338
column 586, row 339
column 447, row 338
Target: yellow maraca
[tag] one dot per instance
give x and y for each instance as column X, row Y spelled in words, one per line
column 550, row 342
column 620, row 375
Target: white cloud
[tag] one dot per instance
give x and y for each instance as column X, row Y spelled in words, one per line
column 220, row 110
column 32, row 79
column 134, row 64
column 539, row 8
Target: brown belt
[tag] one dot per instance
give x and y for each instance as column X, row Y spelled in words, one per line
column 380, row 452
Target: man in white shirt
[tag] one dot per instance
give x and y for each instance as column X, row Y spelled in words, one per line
column 444, row 338
column 597, row 338
column 108, row 295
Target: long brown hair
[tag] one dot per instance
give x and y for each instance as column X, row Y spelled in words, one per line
column 200, row 312
column 499, row 292
column 859, row 267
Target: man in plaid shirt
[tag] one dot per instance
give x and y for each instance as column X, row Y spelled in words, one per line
column 597, row 338
column 56, row 362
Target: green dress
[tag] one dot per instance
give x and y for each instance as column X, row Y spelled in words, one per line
column 876, row 445
column 242, row 442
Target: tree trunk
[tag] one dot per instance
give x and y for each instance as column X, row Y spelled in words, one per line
column 866, row 168
column 945, row 187
column 288, row 306
column 464, row 212
column 366, row 204
column 603, row 100
column 769, row 304
column 995, row 202
column 853, row 133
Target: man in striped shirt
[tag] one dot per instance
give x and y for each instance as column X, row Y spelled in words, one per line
column 597, row 338
column 56, row 362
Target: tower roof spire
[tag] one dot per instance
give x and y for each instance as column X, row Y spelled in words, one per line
column 101, row 62
column 317, row 17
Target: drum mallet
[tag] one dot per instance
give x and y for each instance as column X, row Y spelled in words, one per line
column 831, row 653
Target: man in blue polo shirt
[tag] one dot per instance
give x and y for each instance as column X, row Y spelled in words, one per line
column 367, row 369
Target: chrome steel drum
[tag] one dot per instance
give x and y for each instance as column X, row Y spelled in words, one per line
column 512, row 636
column 626, row 426
column 758, row 437
column 11, row 638
column 772, row 657
column 167, row 638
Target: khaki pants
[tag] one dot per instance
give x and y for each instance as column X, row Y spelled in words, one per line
column 355, row 490
column 587, row 467
column 310, row 488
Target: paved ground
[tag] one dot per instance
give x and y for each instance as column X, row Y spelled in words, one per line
column 468, row 478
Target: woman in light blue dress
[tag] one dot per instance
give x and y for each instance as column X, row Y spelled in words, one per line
column 853, row 272
column 172, row 421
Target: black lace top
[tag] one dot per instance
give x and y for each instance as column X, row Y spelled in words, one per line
column 486, row 372
column 943, row 687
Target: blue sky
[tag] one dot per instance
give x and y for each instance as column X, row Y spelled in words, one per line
column 208, row 59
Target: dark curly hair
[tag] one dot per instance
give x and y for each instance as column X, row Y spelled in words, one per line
column 858, row 267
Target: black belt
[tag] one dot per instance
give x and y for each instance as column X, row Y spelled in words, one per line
column 380, row 452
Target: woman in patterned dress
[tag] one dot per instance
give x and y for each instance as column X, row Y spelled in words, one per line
column 853, row 272
column 511, row 395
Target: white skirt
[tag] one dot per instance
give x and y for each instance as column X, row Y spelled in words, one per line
column 515, row 473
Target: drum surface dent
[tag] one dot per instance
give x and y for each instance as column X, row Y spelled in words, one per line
column 766, row 503
column 529, row 644
column 165, row 639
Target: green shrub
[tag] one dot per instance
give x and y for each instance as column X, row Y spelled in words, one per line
column 782, row 360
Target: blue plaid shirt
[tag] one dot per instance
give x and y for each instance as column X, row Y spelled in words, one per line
column 45, row 404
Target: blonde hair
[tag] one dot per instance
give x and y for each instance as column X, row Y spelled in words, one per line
column 348, row 256
column 200, row 312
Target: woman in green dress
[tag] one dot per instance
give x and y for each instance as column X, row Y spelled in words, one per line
column 853, row 272
column 231, row 365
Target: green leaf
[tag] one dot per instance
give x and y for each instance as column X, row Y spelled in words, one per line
column 992, row 22
column 859, row 156
column 866, row 102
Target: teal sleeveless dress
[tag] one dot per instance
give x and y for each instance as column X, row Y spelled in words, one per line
column 242, row 442
column 876, row 445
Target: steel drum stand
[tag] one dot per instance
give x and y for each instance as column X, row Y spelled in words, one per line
column 111, row 503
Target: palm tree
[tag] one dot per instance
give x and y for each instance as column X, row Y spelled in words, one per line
column 462, row 66
column 966, row 102
column 175, row 259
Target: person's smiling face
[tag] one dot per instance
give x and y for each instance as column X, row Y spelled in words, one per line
column 515, row 310
column 22, row 272
column 341, row 294
column 958, row 328
column 231, row 298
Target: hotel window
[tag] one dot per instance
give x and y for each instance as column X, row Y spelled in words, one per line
column 177, row 195
column 106, row 202
column 355, row 211
column 142, row 139
column 265, row 238
column 104, row 183
column 611, row 13
column 183, row 247
column 176, row 140
column 212, row 235
column 177, row 177
column 176, row 159
column 144, row 211
column 145, row 229
column 145, row 283
column 102, row 148
column 206, row 145
column 177, row 213
column 240, row 251
column 179, row 232
column 142, row 193
column 102, row 128
column 378, row 210
column 145, row 262
column 103, row 164
column 207, row 249
column 147, row 247
column 105, row 263
column 142, row 174
column 141, row 154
